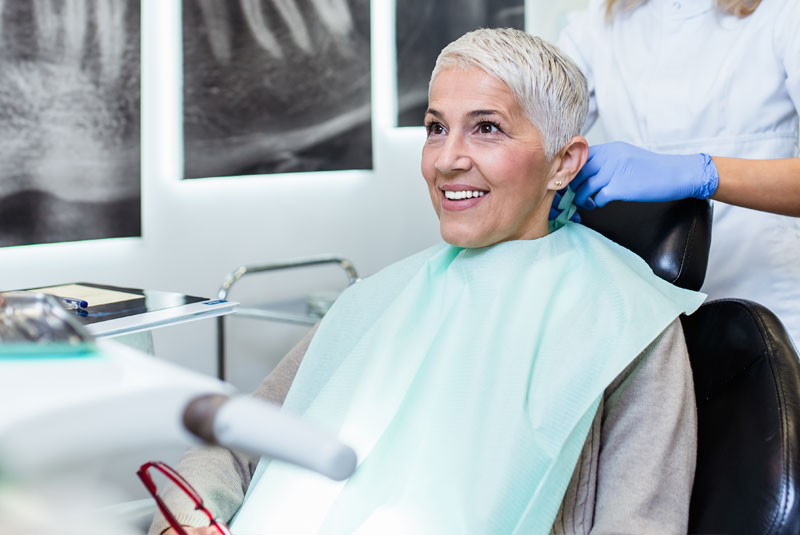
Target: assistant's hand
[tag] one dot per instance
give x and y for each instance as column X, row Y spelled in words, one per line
column 622, row 172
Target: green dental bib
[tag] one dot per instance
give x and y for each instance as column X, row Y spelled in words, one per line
column 466, row 380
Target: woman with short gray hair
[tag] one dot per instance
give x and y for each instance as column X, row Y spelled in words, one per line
column 456, row 374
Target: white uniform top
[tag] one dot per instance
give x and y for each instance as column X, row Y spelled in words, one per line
column 678, row 76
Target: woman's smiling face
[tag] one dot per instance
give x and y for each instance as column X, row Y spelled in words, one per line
column 484, row 162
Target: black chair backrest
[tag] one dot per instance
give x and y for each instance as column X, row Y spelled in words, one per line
column 747, row 383
column 746, row 374
column 672, row 237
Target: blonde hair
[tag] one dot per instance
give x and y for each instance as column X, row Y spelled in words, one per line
column 739, row 8
column 546, row 83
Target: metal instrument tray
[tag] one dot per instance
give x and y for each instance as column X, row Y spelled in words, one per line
column 36, row 323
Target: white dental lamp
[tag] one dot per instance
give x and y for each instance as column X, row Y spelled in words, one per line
column 64, row 421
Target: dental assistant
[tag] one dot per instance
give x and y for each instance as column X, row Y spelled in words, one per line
column 701, row 98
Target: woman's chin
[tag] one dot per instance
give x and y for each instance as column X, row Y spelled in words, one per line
column 465, row 238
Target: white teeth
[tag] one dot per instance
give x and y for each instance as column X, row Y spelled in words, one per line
column 458, row 195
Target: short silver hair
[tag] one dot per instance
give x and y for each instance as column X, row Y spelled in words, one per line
column 547, row 84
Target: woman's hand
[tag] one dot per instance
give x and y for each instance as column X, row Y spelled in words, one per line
column 623, row 172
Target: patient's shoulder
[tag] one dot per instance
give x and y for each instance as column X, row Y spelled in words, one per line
column 665, row 361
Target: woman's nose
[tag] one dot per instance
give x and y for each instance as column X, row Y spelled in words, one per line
column 454, row 155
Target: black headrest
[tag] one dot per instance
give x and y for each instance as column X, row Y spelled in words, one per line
column 747, row 384
column 672, row 237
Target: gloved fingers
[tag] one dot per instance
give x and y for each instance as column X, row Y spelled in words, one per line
column 590, row 187
column 592, row 166
column 583, row 175
column 619, row 171
column 642, row 190
column 593, row 176
column 604, row 196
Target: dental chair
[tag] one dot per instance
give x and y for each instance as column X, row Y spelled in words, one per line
column 747, row 384
column 746, row 376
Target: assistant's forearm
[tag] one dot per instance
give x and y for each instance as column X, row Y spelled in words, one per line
column 767, row 185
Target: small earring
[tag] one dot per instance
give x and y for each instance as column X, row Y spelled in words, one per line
column 558, row 183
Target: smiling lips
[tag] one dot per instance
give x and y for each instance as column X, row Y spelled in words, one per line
column 461, row 199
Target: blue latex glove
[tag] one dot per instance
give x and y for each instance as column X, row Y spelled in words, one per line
column 622, row 172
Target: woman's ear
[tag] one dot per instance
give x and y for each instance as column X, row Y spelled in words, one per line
column 568, row 162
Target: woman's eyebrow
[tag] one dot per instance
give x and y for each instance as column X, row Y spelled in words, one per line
column 472, row 114
column 479, row 113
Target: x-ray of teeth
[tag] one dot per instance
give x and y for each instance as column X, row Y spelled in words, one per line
column 69, row 120
column 424, row 27
column 276, row 86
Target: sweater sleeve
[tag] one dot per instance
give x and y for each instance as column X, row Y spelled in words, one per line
column 648, row 444
column 636, row 470
column 222, row 476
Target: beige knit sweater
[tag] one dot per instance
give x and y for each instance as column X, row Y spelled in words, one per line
column 634, row 475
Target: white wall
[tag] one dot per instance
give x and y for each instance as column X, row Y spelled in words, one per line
column 546, row 18
column 195, row 231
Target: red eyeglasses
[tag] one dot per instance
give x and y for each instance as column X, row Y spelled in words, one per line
column 167, row 471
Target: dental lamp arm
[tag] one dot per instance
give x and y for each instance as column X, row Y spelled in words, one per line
column 222, row 476
column 229, row 422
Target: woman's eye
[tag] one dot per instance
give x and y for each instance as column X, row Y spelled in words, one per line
column 434, row 128
column 488, row 128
